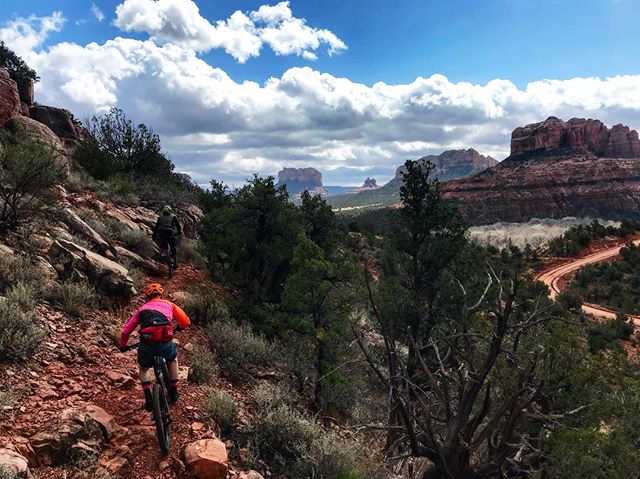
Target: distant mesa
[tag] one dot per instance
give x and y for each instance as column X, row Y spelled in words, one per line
column 298, row 180
column 556, row 169
column 448, row 165
column 580, row 135
column 455, row 164
column 369, row 183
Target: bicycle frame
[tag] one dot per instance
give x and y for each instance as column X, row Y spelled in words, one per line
column 161, row 411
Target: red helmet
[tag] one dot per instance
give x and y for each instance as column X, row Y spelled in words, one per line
column 153, row 289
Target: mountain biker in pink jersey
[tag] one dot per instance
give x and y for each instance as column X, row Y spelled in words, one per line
column 156, row 338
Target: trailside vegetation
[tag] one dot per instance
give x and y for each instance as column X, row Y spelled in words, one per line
column 18, row 69
column 28, row 173
column 445, row 352
column 127, row 162
column 580, row 236
column 615, row 285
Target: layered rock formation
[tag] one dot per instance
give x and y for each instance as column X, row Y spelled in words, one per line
column 9, row 98
column 449, row 164
column 557, row 169
column 298, row 180
column 369, row 183
column 585, row 136
column 455, row 164
column 61, row 122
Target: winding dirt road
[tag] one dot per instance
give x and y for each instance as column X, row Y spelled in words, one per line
column 554, row 279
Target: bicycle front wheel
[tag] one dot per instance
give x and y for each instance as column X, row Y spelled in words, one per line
column 161, row 417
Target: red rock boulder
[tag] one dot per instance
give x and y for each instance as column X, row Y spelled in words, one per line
column 9, row 98
column 207, row 458
column 14, row 462
column 26, row 91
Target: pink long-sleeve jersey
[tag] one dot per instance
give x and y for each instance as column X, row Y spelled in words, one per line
column 167, row 308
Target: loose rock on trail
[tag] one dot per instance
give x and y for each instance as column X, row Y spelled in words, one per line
column 79, row 399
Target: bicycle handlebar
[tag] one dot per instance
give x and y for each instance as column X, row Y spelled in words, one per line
column 130, row 347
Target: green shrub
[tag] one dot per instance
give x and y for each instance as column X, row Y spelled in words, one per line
column 189, row 252
column 330, row 457
column 113, row 230
column 117, row 146
column 268, row 396
column 70, row 296
column 19, row 336
column 7, row 472
column 237, row 348
column 23, row 296
column 203, row 306
column 606, row 335
column 136, row 274
column 119, row 189
column 282, row 436
column 17, row 269
column 571, row 300
column 18, row 69
column 28, row 172
column 79, row 180
column 222, row 408
column 291, row 443
column 203, row 365
column 138, row 242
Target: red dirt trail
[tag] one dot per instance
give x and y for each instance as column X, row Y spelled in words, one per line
column 71, row 368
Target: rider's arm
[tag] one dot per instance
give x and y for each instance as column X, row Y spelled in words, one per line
column 180, row 316
column 155, row 229
column 177, row 226
column 128, row 328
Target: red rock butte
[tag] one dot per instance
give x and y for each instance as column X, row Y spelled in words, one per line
column 556, row 169
column 585, row 136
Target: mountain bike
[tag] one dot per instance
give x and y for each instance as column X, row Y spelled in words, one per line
column 161, row 412
column 165, row 255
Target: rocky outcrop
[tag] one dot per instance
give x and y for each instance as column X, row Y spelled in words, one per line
column 207, row 458
column 369, row 183
column 454, row 164
column 77, row 432
column 77, row 224
column 190, row 217
column 26, row 91
column 556, row 172
column 147, row 265
column 298, row 180
column 9, row 98
column 109, row 277
column 61, row 122
column 15, row 463
column 580, row 135
column 44, row 135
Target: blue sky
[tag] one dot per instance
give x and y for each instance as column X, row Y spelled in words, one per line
column 390, row 79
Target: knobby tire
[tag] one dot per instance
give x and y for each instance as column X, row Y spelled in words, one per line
column 160, row 416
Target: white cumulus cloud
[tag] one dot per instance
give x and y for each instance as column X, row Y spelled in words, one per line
column 214, row 126
column 26, row 34
column 96, row 12
column 241, row 35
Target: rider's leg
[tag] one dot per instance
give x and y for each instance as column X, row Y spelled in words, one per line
column 173, row 246
column 145, row 361
column 173, row 380
column 145, row 379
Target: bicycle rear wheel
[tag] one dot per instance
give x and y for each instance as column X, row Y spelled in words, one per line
column 170, row 266
column 161, row 417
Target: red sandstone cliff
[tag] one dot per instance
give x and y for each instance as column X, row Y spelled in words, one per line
column 586, row 136
column 557, row 169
